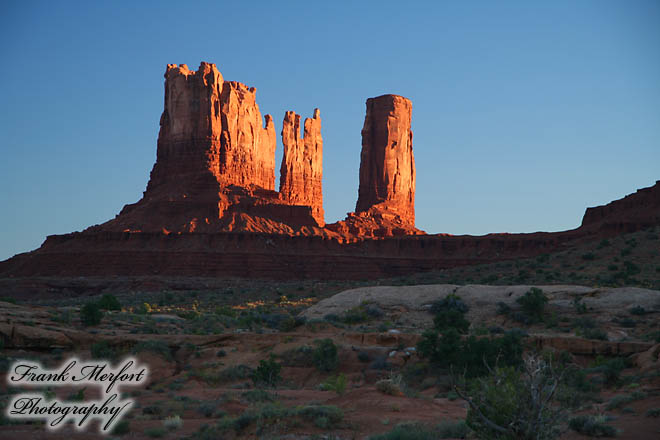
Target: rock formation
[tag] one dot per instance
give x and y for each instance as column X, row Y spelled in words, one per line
column 634, row 212
column 387, row 164
column 215, row 166
column 213, row 126
column 302, row 164
column 386, row 196
column 211, row 209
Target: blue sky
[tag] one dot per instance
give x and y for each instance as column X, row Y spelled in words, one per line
column 524, row 113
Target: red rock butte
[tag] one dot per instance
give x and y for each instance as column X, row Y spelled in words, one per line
column 211, row 209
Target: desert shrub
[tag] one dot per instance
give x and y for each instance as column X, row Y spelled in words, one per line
column 503, row 308
column 172, row 423
column 290, row 323
column 510, row 403
column 8, row 299
column 589, row 256
column 638, row 310
column 591, row 426
column 468, row 355
column 330, row 413
column 253, row 396
column 158, row 347
column 103, row 350
column 611, row 370
column 449, row 314
column 389, row 387
column 579, row 306
column 588, row 328
column 575, row 388
column 267, row 373
column 121, row 428
column 619, row 401
column 447, row 429
column 109, row 302
column 450, row 302
column 363, row 356
column 653, row 412
column 90, row 314
column 335, row 383
column 325, row 355
column 221, row 353
column 533, row 303
column 362, row 313
column 155, row 432
column 593, row 333
column 77, row 396
column 209, row 408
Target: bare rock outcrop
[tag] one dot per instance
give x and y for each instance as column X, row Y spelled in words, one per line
column 386, row 195
column 301, row 172
column 387, row 164
column 215, row 166
column 631, row 213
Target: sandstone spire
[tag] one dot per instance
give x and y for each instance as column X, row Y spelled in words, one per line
column 387, row 166
column 301, row 172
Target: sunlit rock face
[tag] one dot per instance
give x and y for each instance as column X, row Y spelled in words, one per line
column 387, row 165
column 302, row 163
column 215, row 166
column 215, row 126
column 386, row 196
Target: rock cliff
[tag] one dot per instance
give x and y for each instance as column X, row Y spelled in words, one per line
column 634, row 212
column 387, row 164
column 215, row 166
column 386, row 195
column 301, row 172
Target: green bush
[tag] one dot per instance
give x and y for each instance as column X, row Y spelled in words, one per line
column 449, row 314
column 591, row 426
column 325, row 355
column 254, row 396
column 267, row 373
column 335, row 383
column 533, row 303
column 468, row 355
column 109, row 302
column 103, row 350
column 511, row 403
column 653, row 412
column 611, row 370
column 638, row 310
column 580, row 307
column 121, row 428
column 91, row 314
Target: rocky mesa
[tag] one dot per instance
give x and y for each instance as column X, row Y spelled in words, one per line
column 211, row 208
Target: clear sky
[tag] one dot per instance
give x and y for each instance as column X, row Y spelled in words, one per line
column 524, row 113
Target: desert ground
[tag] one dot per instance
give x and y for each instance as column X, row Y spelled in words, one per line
column 345, row 359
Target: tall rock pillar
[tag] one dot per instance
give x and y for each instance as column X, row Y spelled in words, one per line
column 301, row 173
column 387, row 165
